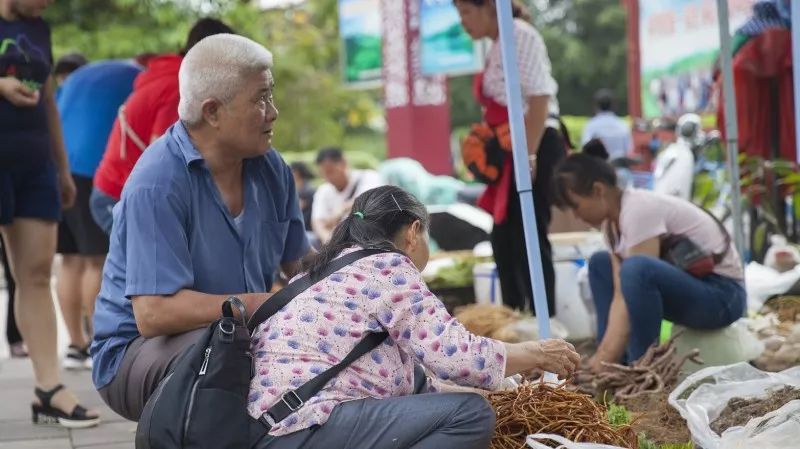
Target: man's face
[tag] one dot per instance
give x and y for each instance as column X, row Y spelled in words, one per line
column 30, row 8
column 245, row 123
column 335, row 172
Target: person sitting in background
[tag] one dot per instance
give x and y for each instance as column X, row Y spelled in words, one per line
column 210, row 211
column 606, row 126
column 87, row 102
column 334, row 199
column 633, row 288
column 145, row 116
column 383, row 400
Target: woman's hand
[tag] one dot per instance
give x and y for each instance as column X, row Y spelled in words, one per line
column 67, row 189
column 17, row 93
column 554, row 356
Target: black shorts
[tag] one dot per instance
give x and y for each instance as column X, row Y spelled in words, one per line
column 77, row 232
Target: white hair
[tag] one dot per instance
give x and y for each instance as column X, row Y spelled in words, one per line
column 215, row 68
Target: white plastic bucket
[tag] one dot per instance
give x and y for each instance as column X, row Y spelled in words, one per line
column 487, row 283
column 571, row 310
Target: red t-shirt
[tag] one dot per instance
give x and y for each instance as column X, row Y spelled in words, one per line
column 149, row 111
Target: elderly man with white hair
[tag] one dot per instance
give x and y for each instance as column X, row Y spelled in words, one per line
column 209, row 211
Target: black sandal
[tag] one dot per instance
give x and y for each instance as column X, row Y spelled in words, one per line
column 44, row 413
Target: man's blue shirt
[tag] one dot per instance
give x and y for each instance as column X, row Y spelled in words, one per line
column 172, row 231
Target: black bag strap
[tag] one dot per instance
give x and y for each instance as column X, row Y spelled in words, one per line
column 355, row 188
column 293, row 400
column 287, row 294
column 718, row 257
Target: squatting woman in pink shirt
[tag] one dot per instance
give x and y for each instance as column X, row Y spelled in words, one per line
column 381, row 400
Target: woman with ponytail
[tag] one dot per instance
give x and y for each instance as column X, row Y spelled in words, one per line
column 668, row 259
column 383, row 399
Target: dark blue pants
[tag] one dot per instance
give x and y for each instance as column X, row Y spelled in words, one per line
column 419, row 421
column 655, row 290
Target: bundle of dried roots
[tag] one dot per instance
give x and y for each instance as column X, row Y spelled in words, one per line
column 543, row 408
column 490, row 320
column 657, row 369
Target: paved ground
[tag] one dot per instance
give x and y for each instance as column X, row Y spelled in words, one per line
column 16, row 393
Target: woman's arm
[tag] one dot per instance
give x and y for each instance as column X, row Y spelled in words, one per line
column 535, row 120
column 612, row 347
column 65, row 182
column 421, row 326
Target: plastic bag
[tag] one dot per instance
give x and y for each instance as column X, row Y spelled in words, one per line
column 534, row 442
column 778, row 429
column 704, row 395
column 763, row 282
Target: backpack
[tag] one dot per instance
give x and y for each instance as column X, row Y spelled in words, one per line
column 202, row 402
column 484, row 151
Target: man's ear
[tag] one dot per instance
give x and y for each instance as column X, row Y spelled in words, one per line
column 211, row 110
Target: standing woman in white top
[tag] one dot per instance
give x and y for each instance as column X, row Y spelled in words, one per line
column 545, row 146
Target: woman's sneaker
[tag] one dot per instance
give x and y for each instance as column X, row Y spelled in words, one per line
column 77, row 358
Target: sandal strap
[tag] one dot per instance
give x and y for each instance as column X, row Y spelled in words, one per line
column 79, row 413
column 46, row 396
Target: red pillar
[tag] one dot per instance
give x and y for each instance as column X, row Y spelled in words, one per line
column 634, row 59
column 417, row 109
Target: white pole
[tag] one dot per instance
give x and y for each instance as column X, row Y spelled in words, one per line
column 795, row 62
column 521, row 171
column 731, row 122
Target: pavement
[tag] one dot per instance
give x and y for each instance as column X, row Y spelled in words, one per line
column 16, row 394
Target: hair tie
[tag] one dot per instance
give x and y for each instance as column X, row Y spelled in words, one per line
column 359, row 215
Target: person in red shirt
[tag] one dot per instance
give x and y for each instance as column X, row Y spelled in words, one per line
column 149, row 111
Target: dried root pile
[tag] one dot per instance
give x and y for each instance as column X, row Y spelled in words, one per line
column 490, row 320
column 543, row 408
column 658, row 368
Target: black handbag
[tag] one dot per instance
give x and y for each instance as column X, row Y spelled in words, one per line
column 202, row 402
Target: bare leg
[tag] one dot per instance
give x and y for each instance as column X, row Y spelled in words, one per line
column 69, row 289
column 31, row 247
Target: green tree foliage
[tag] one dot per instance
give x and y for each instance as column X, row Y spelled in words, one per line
column 315, row 107
column 587, row 45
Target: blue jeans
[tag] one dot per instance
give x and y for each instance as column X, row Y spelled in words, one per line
column 655, row 290
column 101, row 206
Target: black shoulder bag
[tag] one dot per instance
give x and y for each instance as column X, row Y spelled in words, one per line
column 202, row 403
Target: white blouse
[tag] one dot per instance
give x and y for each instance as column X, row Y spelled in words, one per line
column 534, row 68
